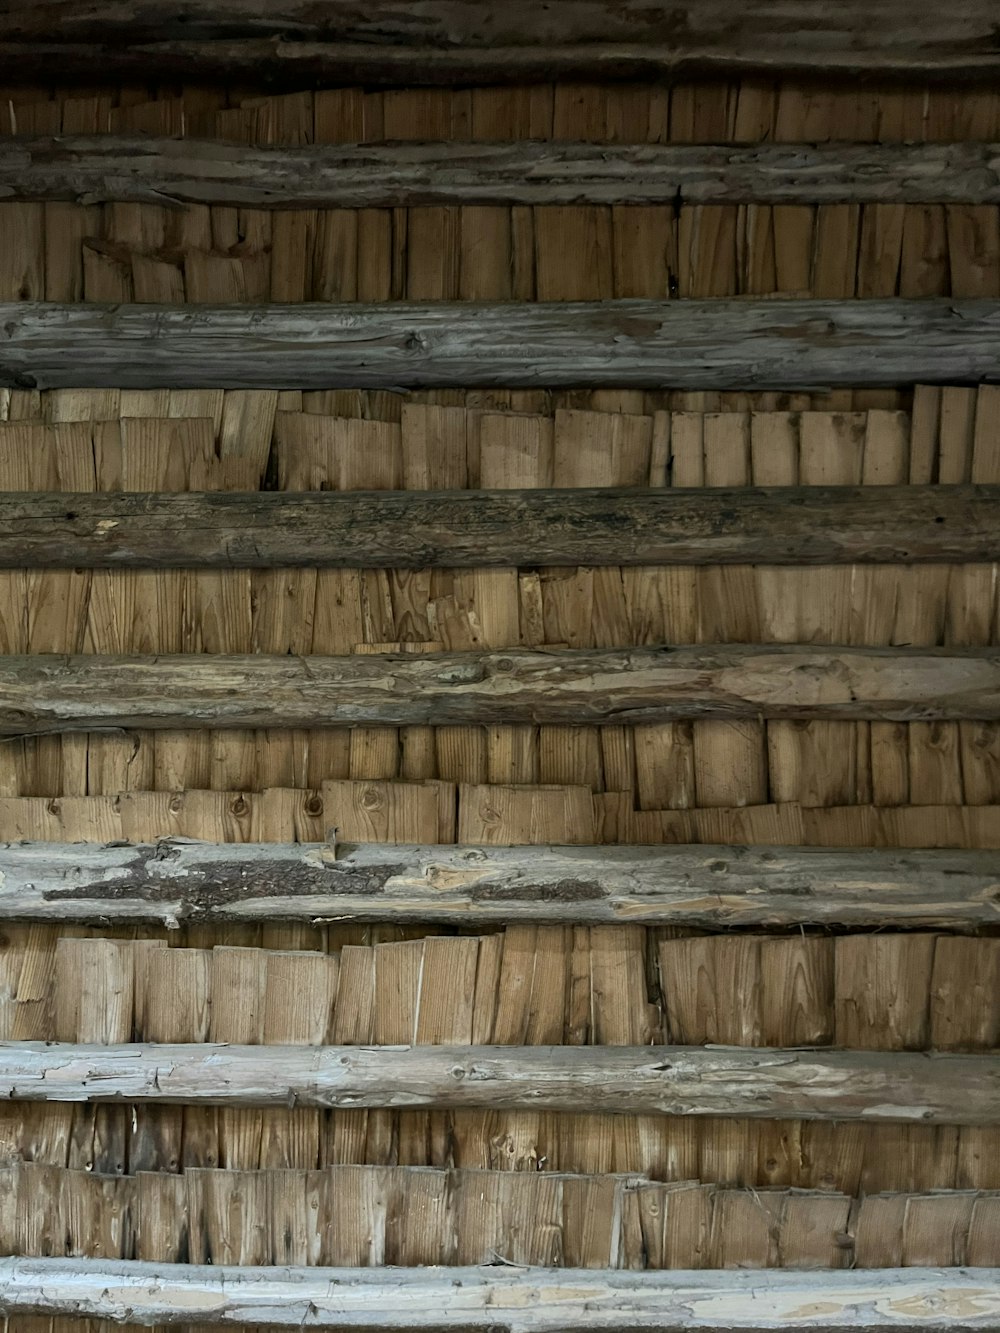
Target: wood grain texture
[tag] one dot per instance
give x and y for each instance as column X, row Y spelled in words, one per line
column 138, row 169
column 54, row 693
column 447, row 41
column 518, row 1299
column 708, row 887
column 816, row 525
column 715, row 344
column 758, row 1083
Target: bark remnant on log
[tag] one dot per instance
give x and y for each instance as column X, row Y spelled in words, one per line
column 687, row 344
column 496, row 1299
column 706, row 887
column 108, row 168
column 452, row 529
column 769, row 1084
column 50, row 693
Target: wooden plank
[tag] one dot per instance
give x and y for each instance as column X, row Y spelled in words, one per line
column 139, row 169
column 707, row 887
column 53, row 693
column 689, row 344
column 419, row 530
column 453, row 41
column 754, row 1082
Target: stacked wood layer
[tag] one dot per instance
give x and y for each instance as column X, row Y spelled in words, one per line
column 384, row 1186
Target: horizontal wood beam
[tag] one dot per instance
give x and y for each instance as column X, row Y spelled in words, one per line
column 178, row 881
column 516, row 1299
column 767, row 1084
column 716, row 344
column 468, row 41
column 139, row 169
column 52, row 693
column 426, row 529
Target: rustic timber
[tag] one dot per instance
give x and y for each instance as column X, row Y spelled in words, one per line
column 54, row 693
column 515, row 1299
column 715, row 344
column 106, row 168
column 816, row 1084
column 178, row 881
column 465, row 41
column 422, row 529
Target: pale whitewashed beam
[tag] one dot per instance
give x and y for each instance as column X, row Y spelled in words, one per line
column 466, row 41
column 139, row 169
column 717, row 344
column 422, row 529
column 516, row 1299
column 709, row 887
column 53, row 693
column 769, row 1084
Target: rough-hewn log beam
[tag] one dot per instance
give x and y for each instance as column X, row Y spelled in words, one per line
column 766, row 1084
column 743, row 344
column 422, row 529
column 517, row 1299
column 179, row 881
column 52, row 693
column 108, row 168
column 464, row 41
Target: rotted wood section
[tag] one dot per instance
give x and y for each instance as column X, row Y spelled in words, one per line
column 517, row 1299
column 125, row 169
column 756, row 1083
column 450, row 529
column 717, row 344
column 52, row 693
column 178, row 881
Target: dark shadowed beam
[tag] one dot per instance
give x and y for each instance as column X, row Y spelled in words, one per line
column 771, row 1084
column 816, row 525
column 469, row 41
column 720, row 344
column 103, row 168
column 514, row 1299
column 704, row 887
column 53, row 693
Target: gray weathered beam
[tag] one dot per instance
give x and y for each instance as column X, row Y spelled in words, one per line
column 465, row 41
column 53, row 693
column 498, row 1299
column 422, row 529
column 717, row 344
column 178, row 881
column 135, row 168
column 770, row 1084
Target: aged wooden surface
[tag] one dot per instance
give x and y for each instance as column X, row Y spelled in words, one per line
column 516, row 1299
column 709, row 887
column 715, row 344
column 121, row 168
column 445, row 41
column 54, row 693
column 817, row 1084
column 819, row 525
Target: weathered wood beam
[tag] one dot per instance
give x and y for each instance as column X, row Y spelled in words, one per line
column 178, row 881
column 53, row 693
column 422, row 529
column 138, row 169
column 770, row 1084
column 465, row 41
column 516, row 1299
column 717, row 344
